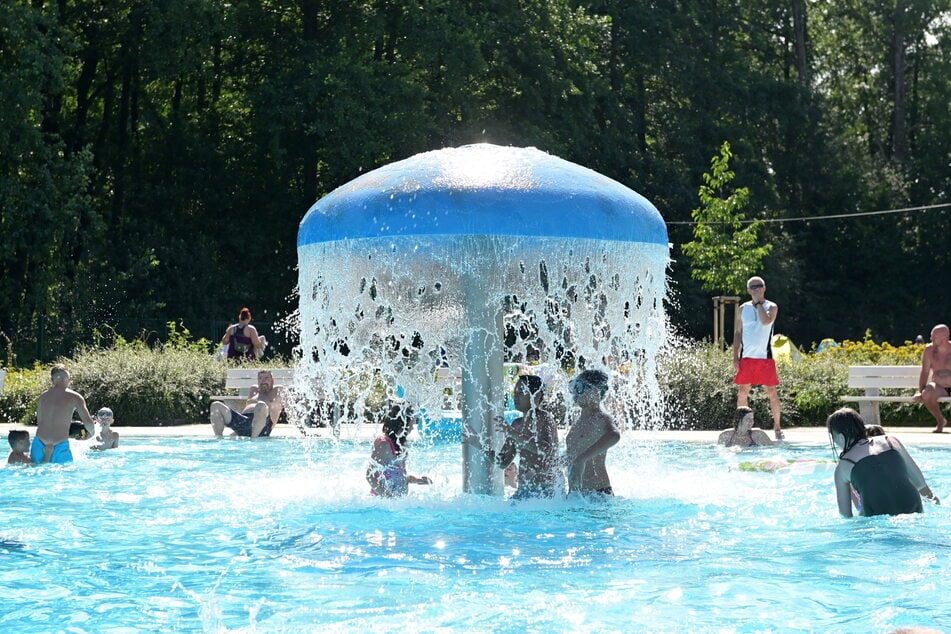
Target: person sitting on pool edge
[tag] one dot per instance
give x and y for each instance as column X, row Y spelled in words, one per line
column 533, row 436
column 106, row 439
column 743, row 434
column 386, row 472
column 261, row 411
column 886, row 479
column 590, row 437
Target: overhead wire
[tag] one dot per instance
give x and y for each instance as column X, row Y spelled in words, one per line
column 857, row 214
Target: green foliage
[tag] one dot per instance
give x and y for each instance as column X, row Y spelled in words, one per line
column 143, row 140
column 724, row 254
column 172, row 383
column 166, row 384
column 696, row 381
column 21, row 389
column 148, row 386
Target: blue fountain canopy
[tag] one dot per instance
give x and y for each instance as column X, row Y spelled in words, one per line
column 483, row 190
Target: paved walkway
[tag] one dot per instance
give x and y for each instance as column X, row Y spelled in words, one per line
column 914, row 436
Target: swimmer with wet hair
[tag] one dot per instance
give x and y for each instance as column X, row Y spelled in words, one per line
column 386, row 472
column 19, row 440
column 878, row 468
column 590, row 436
column 743, row 433
column 533, row 437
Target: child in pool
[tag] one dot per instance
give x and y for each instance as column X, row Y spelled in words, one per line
column 533, row 436
column 743, row 434
column 19, row 440
column 591, row 436
column 106, row 438
column 386, row 472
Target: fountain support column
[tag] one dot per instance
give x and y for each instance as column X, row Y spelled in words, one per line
column 483, row 390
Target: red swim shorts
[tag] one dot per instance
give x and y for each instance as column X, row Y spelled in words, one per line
column 757, row 372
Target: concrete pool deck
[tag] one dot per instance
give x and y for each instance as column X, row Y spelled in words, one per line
column 911, row 436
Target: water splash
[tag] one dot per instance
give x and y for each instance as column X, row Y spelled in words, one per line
column 424, row 278
column 375, row 314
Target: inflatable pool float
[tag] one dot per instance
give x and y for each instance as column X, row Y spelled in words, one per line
column 797, row 465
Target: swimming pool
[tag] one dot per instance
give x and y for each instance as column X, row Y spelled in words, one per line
column 182, row 535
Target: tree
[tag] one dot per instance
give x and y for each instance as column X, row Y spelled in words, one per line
column 724, row 254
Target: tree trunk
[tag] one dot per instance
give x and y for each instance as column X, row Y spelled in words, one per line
column 799, row 29
column 899, row 127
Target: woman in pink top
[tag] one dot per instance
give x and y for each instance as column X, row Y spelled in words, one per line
column 386, row 472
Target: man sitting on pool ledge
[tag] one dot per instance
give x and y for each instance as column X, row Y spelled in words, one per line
column 261, row 411
column 54, row 414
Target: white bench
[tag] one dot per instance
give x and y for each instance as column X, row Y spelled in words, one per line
column 873, row 379
column 242, row 379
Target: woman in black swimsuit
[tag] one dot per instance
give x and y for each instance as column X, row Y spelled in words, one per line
column 886, row 479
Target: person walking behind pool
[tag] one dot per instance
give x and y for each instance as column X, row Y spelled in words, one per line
column 533, row 437
column 19, row 440
column 743, row 433
column 752, row 349
column 107, row 439
column 386, row 472
column 54, row 413
column 261, row 411
column 935, row 379
column 242, row 339
column 590, row 436
column 885, row 477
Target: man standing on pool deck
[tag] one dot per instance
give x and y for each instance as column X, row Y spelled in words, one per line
column 261, row 411
column 935, row 379
column 752, row 349
column 54, row 413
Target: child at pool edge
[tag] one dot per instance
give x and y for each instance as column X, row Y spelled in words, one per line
column 19, row 440
column 106, row 438
column 590, row 437
column 386, row 472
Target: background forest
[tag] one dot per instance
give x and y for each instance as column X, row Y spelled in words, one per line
column 158, row 156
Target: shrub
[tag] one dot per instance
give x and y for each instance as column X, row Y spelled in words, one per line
column 146, row 386
column 19, row 394
column 699, row 391
column 697, row 380
column 172, row 383
column 166, row 384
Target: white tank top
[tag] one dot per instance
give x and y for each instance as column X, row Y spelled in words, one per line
column 756, row 336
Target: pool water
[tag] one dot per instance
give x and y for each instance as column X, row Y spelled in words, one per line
column 186, row 535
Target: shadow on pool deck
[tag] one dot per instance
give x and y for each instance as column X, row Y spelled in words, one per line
column 915, row 436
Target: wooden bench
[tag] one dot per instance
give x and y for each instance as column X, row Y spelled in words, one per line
column 874, row 378
column 242, row 379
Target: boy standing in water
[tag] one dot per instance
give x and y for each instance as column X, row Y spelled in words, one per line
column 591, row 436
